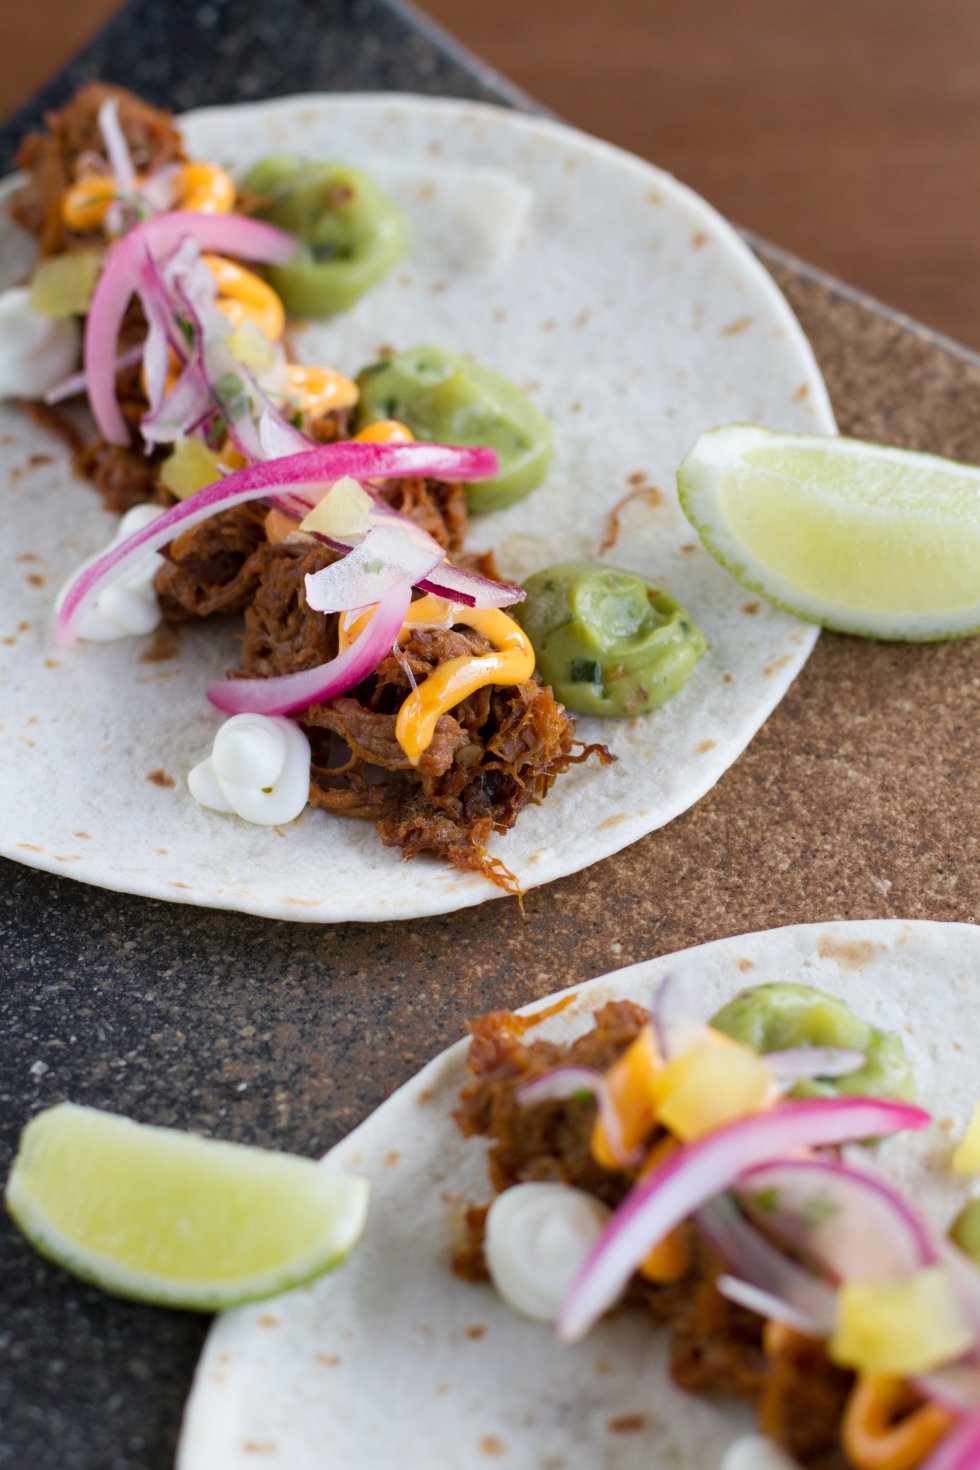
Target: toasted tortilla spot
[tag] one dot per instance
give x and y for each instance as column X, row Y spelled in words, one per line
column 704, row 747
column 492, row 1446
column 52, row 663
column 36, row 579
column 802, row 393
column 699, row 239
column 612, row 821
column 777, row 664
column 269, row 1320
column 391, row 1158
column 582, row 319
column 475, row 1332
column 83, row 834
column 726, row 678
column 30, row 847
column 260, row 1447
column 438, row 288
column 329, row 1360
column 654, row 196
column 308, row 903
column 434, row 148
column 218, row 1377
column 425, row 1096
column 27, row 556
column 690, row 546
column 744, row 964
column 175, row 884
column 575, row 407
column 751, row 608
column 628, row 1423
column 549, row 325
column 737, row 327
column 164, row 645
column 71, row 857
column 850, row 954
column 161, row 778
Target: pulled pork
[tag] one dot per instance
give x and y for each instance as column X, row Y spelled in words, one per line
column 497, row 752
column 716, row 1346
column 72, row 145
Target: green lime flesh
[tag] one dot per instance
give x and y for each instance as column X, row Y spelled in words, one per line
column 174, row 1218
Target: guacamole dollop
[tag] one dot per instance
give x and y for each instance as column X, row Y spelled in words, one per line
column 446, row 398
column 786, row 1014
column 607, row 641
column 349, row 231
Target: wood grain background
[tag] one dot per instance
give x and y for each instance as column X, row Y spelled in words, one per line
column 847, row 131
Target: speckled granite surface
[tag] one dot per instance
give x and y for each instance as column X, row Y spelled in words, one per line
column 857, row 800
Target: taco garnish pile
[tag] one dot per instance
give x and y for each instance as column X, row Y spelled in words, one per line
column 710, row 1173
column 385, row 674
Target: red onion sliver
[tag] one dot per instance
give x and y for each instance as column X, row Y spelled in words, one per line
column 78, row 382
column 292, row 692
column 314, row 469
column 798, row 1062
column 116, row 147
column 381, row 560
column 564, row 1082
column 231, row 234
column 956, row 1386
column 752, row 1257
column 764, row 1304
column 959, row 1450
column 853, row 1224
column 698, row 1171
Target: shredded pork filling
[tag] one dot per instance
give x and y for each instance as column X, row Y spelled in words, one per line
column 716, row 1347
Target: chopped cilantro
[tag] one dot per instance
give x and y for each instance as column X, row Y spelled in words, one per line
column 768, row 1199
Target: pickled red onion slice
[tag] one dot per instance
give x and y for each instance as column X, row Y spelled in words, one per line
column 229, row 234
column 311, row 471
column 291, row 692
column 696, row 1172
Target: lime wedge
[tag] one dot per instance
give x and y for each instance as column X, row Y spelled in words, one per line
column 859, row 537
column 177, row 1219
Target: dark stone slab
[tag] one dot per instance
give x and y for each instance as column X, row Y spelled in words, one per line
column 856, row 800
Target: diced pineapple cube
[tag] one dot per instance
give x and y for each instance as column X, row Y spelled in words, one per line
column 190, row 467
column 711, row 1084
column 966, row 1155
column 898, row 1328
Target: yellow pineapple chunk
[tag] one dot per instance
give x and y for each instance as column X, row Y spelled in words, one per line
column 190, row 467
column 966, row 1155
column 710, row 1084
column 899, row 1328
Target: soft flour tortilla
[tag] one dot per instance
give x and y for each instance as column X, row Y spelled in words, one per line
column 633, row 315
column 394, row 1362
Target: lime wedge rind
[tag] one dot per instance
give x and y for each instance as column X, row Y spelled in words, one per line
column 52, row 1204
column 861, row 538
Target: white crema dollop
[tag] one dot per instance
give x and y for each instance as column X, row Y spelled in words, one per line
column 259, row 769
column 537, row 1239
column 129, row 606
column 36, row 352
column 756, row 1452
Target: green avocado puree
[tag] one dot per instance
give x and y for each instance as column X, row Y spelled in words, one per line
column 965, row 1230
column 607, row 642
column 445, row 398
column 349, row 231
column 785, row 1014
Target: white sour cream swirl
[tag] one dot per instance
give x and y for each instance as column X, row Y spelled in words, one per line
column 537, row 1239
column 259, row 769
column 36, row 352
column 756, row 1452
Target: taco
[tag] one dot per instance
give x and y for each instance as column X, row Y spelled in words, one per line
column 630, row 350
column 809, row 1310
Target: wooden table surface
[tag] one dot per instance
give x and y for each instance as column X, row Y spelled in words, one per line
column 847, row 131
